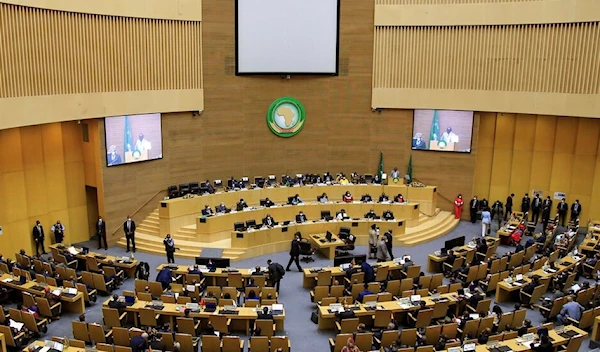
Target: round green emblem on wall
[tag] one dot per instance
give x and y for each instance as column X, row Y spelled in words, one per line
column 286, row 117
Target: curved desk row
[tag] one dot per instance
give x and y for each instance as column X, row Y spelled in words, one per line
column 270, row 240
column 207, row 226
column 179, row 212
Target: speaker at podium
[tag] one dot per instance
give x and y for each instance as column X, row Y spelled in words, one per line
column 435, row 145
column 136, row 155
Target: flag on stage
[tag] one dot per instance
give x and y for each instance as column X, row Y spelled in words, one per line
column 127, row 140
column 434, row 135
column 409, row 170
column 380, row 171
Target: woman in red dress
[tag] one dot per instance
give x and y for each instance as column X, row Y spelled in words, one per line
column 458, row 204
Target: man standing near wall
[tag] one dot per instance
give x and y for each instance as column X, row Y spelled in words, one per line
column 129, row 229
column 101, row 233
column 38, row 237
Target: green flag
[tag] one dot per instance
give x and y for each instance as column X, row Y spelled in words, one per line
column 409, row 170
column 380, row 171
column 434, row 135
column 127, row 141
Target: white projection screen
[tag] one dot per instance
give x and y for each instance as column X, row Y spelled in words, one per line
column 287, row 37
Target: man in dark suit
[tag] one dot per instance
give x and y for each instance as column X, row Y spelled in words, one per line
column 366, row 198
column 221, row 208
column 38, row 237
column 268, row 203
column 473, row 207
column 129, row 229
column 207, row 211
column 388, row 215
column 563, row 208
column 370, row 215
column 101, row 232
column 139, row 343
column 276, row 273
column 209, row 187
column 241, row 205
column 546, row 208
column 484, row 204
column 384, row 198
column 547, row 203
column 525, row 206
column 265, row 314
column 269, row 221
column 575, row 210
column 295, row 254
column 389, row 237
column 536, row 206
column 232, row 183
column 509, row 205
column 300, row 218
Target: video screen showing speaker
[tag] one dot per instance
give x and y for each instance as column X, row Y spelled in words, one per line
column 287, row 36
column 133, row 138
column 442, row 130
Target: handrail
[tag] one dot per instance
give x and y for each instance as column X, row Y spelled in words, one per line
column 140, row 208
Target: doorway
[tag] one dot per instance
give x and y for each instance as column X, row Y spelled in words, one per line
column 91, row 195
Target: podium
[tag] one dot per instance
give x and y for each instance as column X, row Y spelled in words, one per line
column 433, row 145
column 130, row 158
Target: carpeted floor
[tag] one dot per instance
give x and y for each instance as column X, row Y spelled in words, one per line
column 303, row 333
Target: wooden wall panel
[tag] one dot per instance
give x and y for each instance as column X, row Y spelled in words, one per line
column 445, row 2
column 550, row 153
column 48, row 52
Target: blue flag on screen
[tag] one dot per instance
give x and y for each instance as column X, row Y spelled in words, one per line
column 127, row 140
column 434, row 135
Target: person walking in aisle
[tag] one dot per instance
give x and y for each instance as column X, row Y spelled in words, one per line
column 295, row 253
column 169, row 248
column 276, row 273
column 129, row 229
column 486, row 221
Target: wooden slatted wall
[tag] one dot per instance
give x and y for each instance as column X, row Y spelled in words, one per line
column 444, row 2
column 46, row 52
column 554, row 58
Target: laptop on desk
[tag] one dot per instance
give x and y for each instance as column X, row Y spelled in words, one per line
column 277, row 309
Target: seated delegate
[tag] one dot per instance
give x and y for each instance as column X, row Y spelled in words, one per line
column 268, row 203
column 370, row 215
column 384, row 198
column 300, row 218
column 323, row 198
column 221, row 208
column 269, row 221
column 342, row 215
column 399, row 198
column 207, row 211
column 241, row 205
column 366, row 198
column 388, row 215
column 347, row 197
column 295, row 200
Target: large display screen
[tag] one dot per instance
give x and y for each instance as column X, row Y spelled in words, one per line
column 287, row 36
column 133, row 138
column 442, row 130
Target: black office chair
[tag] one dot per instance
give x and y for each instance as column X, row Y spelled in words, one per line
column 326, row 215
column 344, row 233
column 194, row 188
column 218, row 184
column 173, row 191
column 239, row 226
column 184, row 189
column 349, row 245
column 307, row 251
column 250, row 223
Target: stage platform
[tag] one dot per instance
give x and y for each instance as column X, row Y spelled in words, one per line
column 416, row 221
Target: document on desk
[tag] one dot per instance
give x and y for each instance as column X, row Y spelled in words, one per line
column 404, row 305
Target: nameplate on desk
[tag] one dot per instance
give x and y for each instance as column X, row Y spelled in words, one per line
column 354, row 224
column 284, row 229
column 416, row 206
column 163, row 204
column 239, row 235
column 400, row 223
column 202, row 220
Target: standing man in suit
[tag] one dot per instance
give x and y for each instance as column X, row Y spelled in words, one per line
column 295, row 254
column 169, row 248
column 509, row 205
column 129, row 229
column 547, row 203
column 101, row 232
column 38, row 237
column 563, row 208
column 388, row 242
column 575, row 210
column 59, row 231
column 536, row 206
column 525, row 206
column 276, row 273
column 546, row 208
column 473, row 207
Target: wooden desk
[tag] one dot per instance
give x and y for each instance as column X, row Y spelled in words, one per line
column 207, row 228
column 43, row 343
column 327, row 319
column 507, row 229
column 178, row 212
column 327, row 248
column 239, row 322
column 434, row 262
column 596, row 330
column 310, row 276
column 128, row 268
column 278, row 238
column 214, row 278
column 2, row 343
column 73, row 304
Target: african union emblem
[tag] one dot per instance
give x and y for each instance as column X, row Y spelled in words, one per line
column 286, row 117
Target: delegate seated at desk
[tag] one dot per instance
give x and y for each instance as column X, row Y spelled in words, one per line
column 370, row 215
column 195, row 270
column 295, row 200
column 268, row 221
column 384, row 198
column 241, row 205
column 221, row 208
column 347, row 197
column 388, row 215
column 268, row 203
column 233, row 184
column 366, row 198
column 399, row 198
column 207, row 211
column 300, row 218
column 208, row 187
column 265, row 314
column 342, row 215
column 323, row 198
